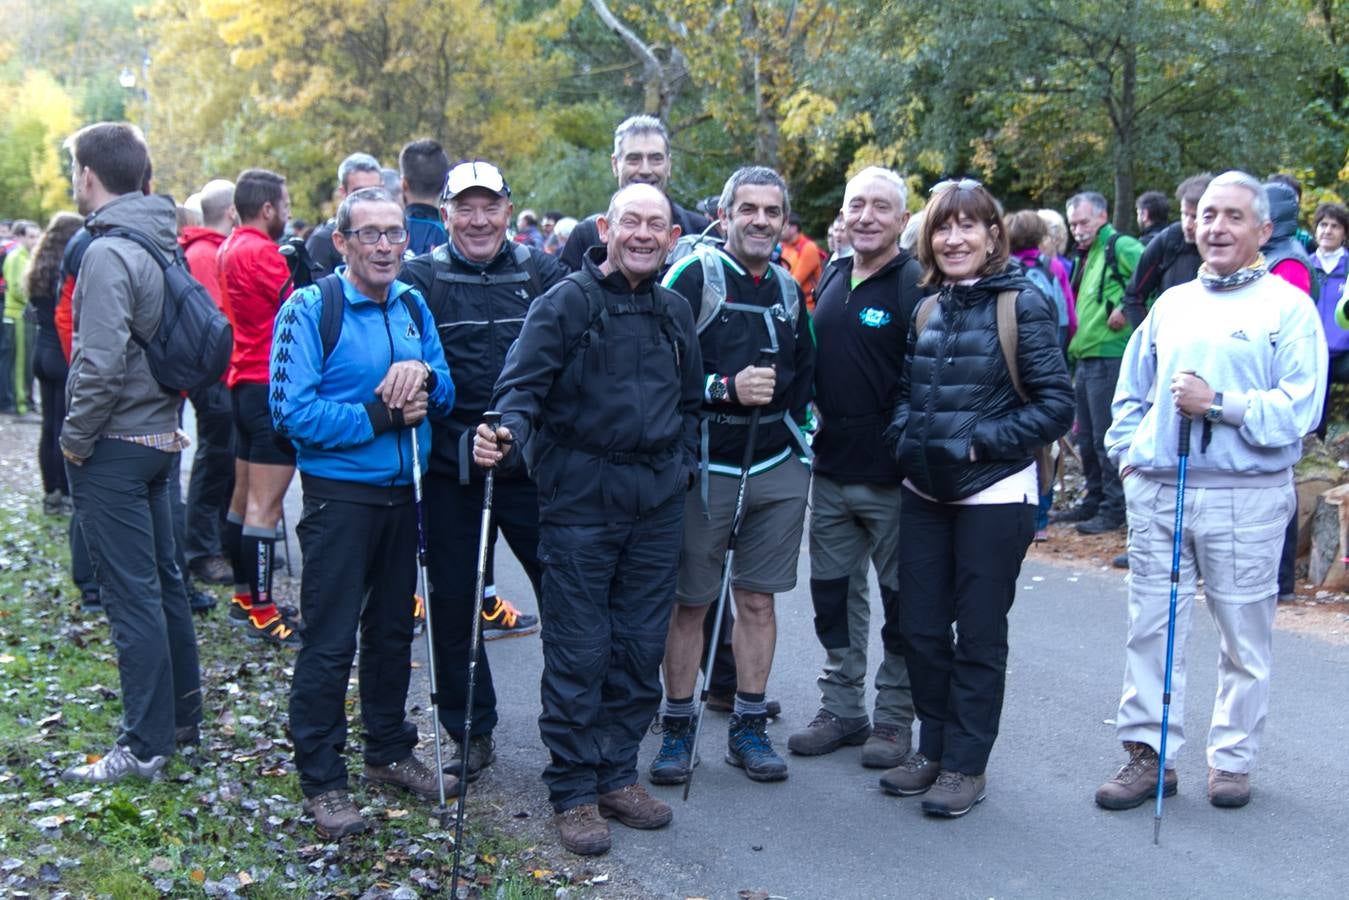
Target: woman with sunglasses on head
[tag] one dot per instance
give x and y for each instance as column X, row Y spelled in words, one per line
column 966, row 441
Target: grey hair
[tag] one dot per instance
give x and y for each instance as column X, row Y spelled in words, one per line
column 356, row 162
column 909, row 239
column 1237, row 178
column 1097, row 201
column 356, row 198
column 753, row 175
column 883, row 174
column 639, row 125
column 216, row 198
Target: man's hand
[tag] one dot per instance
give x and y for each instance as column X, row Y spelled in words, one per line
column 1116, row 320
column 402, row 382
column 1191, row 394
column 489, row 448
column 72, row 458
column 415, row 410
column 754, row 385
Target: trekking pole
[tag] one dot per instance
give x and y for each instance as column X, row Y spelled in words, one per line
column 1183, row 460
column 747, row 460
column 493, row 421
column 425, row 587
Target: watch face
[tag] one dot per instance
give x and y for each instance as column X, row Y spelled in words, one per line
column 1213, row 413
column 717, row 390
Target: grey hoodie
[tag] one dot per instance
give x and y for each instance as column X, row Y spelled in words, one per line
column 120, row 289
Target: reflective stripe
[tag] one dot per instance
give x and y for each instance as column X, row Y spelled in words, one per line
column 764, row 466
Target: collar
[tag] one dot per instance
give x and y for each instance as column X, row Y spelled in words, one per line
column 472, row 264
column 353, row 296
column 1329, row 261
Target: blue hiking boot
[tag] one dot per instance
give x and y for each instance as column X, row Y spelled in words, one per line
column 674, row 760
column 748, row 748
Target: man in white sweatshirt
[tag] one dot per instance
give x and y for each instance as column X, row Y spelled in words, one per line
column 1243, row 356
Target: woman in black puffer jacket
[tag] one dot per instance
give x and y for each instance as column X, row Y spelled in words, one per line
column 966, row 442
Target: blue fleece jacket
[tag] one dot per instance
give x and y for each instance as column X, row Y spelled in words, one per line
column 331, row 412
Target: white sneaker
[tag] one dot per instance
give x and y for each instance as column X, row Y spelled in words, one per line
column 118, row 764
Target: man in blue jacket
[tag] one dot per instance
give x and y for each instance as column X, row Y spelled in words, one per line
column 347, row 396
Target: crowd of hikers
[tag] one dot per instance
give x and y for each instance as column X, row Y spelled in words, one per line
column 658, row 394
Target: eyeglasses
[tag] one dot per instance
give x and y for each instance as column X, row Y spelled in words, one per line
column 963, row 184
column 371, row 235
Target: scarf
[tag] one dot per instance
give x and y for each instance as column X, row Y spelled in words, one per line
column 1238, row 279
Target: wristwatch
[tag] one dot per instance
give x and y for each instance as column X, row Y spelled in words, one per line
column 716, row 390
column 1214, row 413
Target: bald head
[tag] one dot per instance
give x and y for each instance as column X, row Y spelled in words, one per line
column 217, row 205
column 637, row 231
column 636, row 192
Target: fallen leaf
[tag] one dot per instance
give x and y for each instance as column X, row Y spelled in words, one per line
column 541, row 874
column 244, row 878
column 160, row 864
column 395, row 813
column 197, row 875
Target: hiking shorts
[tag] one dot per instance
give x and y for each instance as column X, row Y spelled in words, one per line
column 769, row 545
column 255, row 441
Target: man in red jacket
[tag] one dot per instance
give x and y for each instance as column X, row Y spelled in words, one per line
column 252, row 273
column 208, row 492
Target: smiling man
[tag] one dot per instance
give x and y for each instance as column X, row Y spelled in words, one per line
column 600, row 398
column 348, row 398
column 1243, row 357
column 760, row 306
column 862, row 312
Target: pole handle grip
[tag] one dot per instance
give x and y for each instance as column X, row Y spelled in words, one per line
column 765, row 357
column 1184, row 447
column 493, row 419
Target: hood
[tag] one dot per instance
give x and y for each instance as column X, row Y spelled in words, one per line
column 153, row 215
column 194, row 234
column 1282, row 210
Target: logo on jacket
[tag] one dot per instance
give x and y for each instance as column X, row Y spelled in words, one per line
column 412, row 332
column 1240, row 334
column 872, row 317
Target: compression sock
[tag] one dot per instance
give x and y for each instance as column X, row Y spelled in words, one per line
column 231, row 542
column 257, row 545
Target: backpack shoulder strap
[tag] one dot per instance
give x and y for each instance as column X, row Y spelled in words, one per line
column 1111, row 260
column 714, row 285
column 1007, row 339
column 791, row 300
column 414, row 313
column 524, row 261
column 141, row 240
column 597, row 313
column 330, row 316
column 924, row 313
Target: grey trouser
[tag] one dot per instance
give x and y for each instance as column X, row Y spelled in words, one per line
column 849, row 524
column 1232, row 538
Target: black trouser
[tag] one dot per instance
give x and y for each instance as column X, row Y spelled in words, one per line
column 49, row 365
column 212, row 480
column 1094, row 390
column 958, row 565
column 121, row 494
column 81, row 567
column 453, row 514
column 360, row 571
column 8, row 348
column 607, row 595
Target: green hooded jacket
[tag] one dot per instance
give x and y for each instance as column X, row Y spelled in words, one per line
column 1099, row 293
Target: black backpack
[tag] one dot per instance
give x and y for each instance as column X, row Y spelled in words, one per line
column 191, row 346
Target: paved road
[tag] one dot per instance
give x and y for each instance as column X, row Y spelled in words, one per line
column 828, row 831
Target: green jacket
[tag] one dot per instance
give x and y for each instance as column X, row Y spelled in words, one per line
column 16, row 292
column 1099, row 292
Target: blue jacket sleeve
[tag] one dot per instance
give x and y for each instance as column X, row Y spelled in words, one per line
column 296, row 369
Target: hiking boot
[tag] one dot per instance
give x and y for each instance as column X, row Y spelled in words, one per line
column 888, row 746
column 212, row 569
column 583, row 831
column 674, row 760
column 118, row 764
column 54, row 504
column 1121, row 561
column 505, row 621
column 1102, row 523
column 911, row 777
column 1136, row 781
column 187, row 736
column 1080, row 512
column 91, row 601
column 481, row 752
column 413, row 776
column 200, row 601
column 725, row 702
column 748, row 748
column 1230, row 790
column 827, row 732
column 954, row 794
column 335, row 815
column 635, row 808
column 278, row 631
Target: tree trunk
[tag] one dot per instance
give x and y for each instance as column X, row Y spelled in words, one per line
column 1125, row 135
column 660, row 81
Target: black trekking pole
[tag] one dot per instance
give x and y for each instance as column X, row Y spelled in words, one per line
column 727, row 563
column 1183, row 460
column 424, row 586
column 493, row 421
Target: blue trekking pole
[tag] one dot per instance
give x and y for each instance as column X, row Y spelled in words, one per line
column 1183, row 460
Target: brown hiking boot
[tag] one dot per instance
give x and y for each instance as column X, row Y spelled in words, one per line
column 954, row 794
column 1136, row 781
column 635, row 808
column 888, row 746
column 911, row 777
column 1230, row 790
column 335, row 815
column 827, row 732
column 583, row 831
column 414, row 776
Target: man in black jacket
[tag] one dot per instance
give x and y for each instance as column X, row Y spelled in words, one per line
column 641, row 156
column 602, row 392
column 762, row 307
column 1171, row 258
column 862, row 313
column 359, row 170
column 479, row 287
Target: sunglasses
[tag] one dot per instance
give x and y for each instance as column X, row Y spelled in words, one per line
column 963, row 184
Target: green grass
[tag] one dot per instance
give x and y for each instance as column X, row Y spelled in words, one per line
column 225, row 816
